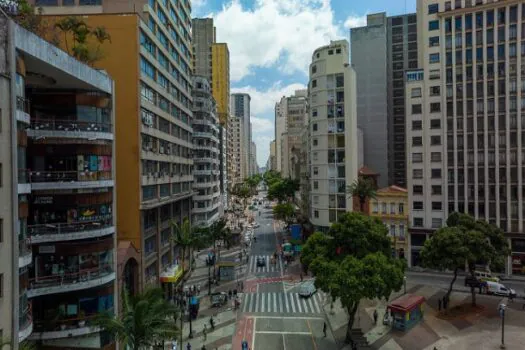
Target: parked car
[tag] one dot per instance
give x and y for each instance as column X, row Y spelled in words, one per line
column 498, row 289
column 261, row 261
column 307, row 289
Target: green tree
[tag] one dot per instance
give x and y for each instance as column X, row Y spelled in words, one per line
column 270, row 177
column 445, row 250
column 471, row 241
column 242, row 192
column 25, row 345
column 353, row 261
column 187, row 238
column 363, row 189
column 82, row 37
column 284, row 212
column 219, row 231
column 145, row 319
column 252, row 182
column 283, row 190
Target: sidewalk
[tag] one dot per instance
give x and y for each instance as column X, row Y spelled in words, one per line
column 503, row 277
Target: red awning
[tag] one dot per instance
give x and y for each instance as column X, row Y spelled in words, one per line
column 406, row 302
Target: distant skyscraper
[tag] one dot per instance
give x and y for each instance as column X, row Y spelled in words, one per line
column 240, row 108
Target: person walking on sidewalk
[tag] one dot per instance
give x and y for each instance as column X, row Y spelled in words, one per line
column 212, row 323
column 188, row 347
column 204, row 332
column 375, row 317
column 439, row 304
column 324, row 329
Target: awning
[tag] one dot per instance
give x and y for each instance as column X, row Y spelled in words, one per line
column 172, row 274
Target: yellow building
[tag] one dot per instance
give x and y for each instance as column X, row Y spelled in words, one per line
column 391, row 207
column 220, row 69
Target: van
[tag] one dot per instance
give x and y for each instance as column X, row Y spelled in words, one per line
column 307, row 289
column 498, row 289
column 485, row 276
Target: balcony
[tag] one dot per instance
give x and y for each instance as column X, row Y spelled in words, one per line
column 206, row 160
column 24, row 187
column 68, row 232
column 70, row 282
column 206, row 184
column 25, row 254
column 206, row 135
column 22, row 110
column 65, row 328
column 67, row 180
column 72, row 129
column 202, row 172
column 25, row 323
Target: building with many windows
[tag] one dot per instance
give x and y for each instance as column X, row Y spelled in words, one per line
column 333, row 133
column 465, row 119
column 381, row 52
column 390, row 205
column 150, row 49
column 57, row 185
column 240, row 109
column 207, row 199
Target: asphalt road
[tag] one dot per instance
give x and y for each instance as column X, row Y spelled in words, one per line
column 279, row 318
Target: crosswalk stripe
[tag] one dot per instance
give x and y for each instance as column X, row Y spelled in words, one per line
column 310, row 304
column 315, row 302
column 275, row 302
column 245, row 306
column 256, row 302
column 281, row 303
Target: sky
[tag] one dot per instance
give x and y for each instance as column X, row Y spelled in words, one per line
column 271, row 43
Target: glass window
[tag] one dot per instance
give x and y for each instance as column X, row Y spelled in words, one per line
column 434, row 58
column 433, row 41
column 433, row 25
column 433, row 8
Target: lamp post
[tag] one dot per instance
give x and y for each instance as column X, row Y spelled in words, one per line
column 209, row 279
column 405, row 283
column 501, row 309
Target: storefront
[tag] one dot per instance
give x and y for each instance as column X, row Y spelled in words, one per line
column 406, row 311
column 518, row 256
column 170, row 278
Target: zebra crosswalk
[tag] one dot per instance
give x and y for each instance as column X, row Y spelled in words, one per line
column 282, row 303
column 268, row 266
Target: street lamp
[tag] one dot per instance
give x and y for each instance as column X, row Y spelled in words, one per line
column 502, row 308
column 209, row 279
column 189, row 316
column 405, row 283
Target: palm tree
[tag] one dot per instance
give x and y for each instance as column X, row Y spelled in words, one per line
column 25, row 345
column 145, row 320
column 187, row 237
column 363, row 189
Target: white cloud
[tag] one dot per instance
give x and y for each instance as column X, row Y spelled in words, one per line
column 261, row 124
column 354, row 21
column 281, row 33
column 263, row 101
column 263, row 148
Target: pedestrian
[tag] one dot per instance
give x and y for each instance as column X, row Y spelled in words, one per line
column 198, row 288
column 301, row 275
column 212, row 323
column 204, row 332
column 444, row 302
column 203, row 347
column 324, row 329
column 242, row 286
column 188, row 347
column 229, row 294
column 511, row 298
column 439, row 304
column 375, row 316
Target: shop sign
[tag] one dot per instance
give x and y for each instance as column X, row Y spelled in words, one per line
column 43, row 200
column 46, row 249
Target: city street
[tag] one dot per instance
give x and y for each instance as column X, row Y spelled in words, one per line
column 272, row 315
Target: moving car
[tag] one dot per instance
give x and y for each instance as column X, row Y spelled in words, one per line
column 498, row 289
column 261, row 261
column 307, row 289
column 485, row 276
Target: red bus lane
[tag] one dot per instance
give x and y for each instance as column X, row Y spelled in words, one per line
column 244, row 331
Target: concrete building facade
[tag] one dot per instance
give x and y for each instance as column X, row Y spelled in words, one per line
column 57, row 185
column 154, row 138
column 240, row 109
column 206, row 157
column 253, row 159
column 465, row 120
column 333, row 133
column 381, row 52
column 280, row 128
column 295, row 117
column 272, row 162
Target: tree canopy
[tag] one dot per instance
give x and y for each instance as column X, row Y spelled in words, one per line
column 363, row 189
column 188, row 237
column 283, row 190
column 145, row 319
column 465, row 242
column 354, row 261
column 284, row 212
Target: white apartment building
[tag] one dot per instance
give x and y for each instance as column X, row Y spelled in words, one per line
column 333, row 133
column 466, row 119
column 240, row 112
column 206, row 157
column 254, row 168
column 280, row 128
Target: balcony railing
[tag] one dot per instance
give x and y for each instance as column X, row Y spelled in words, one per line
column 70, row 125
column 67, row 324
column 69, row 176
column 23, row 176
column 35, row 231
column 83, row 275
column 23, row 104
column 25, row 323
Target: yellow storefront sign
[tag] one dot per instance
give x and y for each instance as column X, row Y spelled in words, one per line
column 172, row 275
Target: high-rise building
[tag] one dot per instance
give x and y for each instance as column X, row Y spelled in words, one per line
column 212, row 60
column 253, row 159
column 57, row 222
column 465, row 128
column 293, row 110
column 272, row 162
column 333, row 133
column 207, row 200
column 150, row 49
column 280, row 128
column 240, row 109
column 381, row 52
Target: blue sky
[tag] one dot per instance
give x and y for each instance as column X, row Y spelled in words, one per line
column 271, row 42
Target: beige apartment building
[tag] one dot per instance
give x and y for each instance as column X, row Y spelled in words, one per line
column 466, row 119
column 333, row 133
column 240, row 113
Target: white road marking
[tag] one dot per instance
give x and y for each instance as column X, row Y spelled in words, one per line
column 298, row 302
column 292, row 302
column 281, row 303
column 278, row 332
column 275, row 302
column 310, row 304
column 256, row 300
